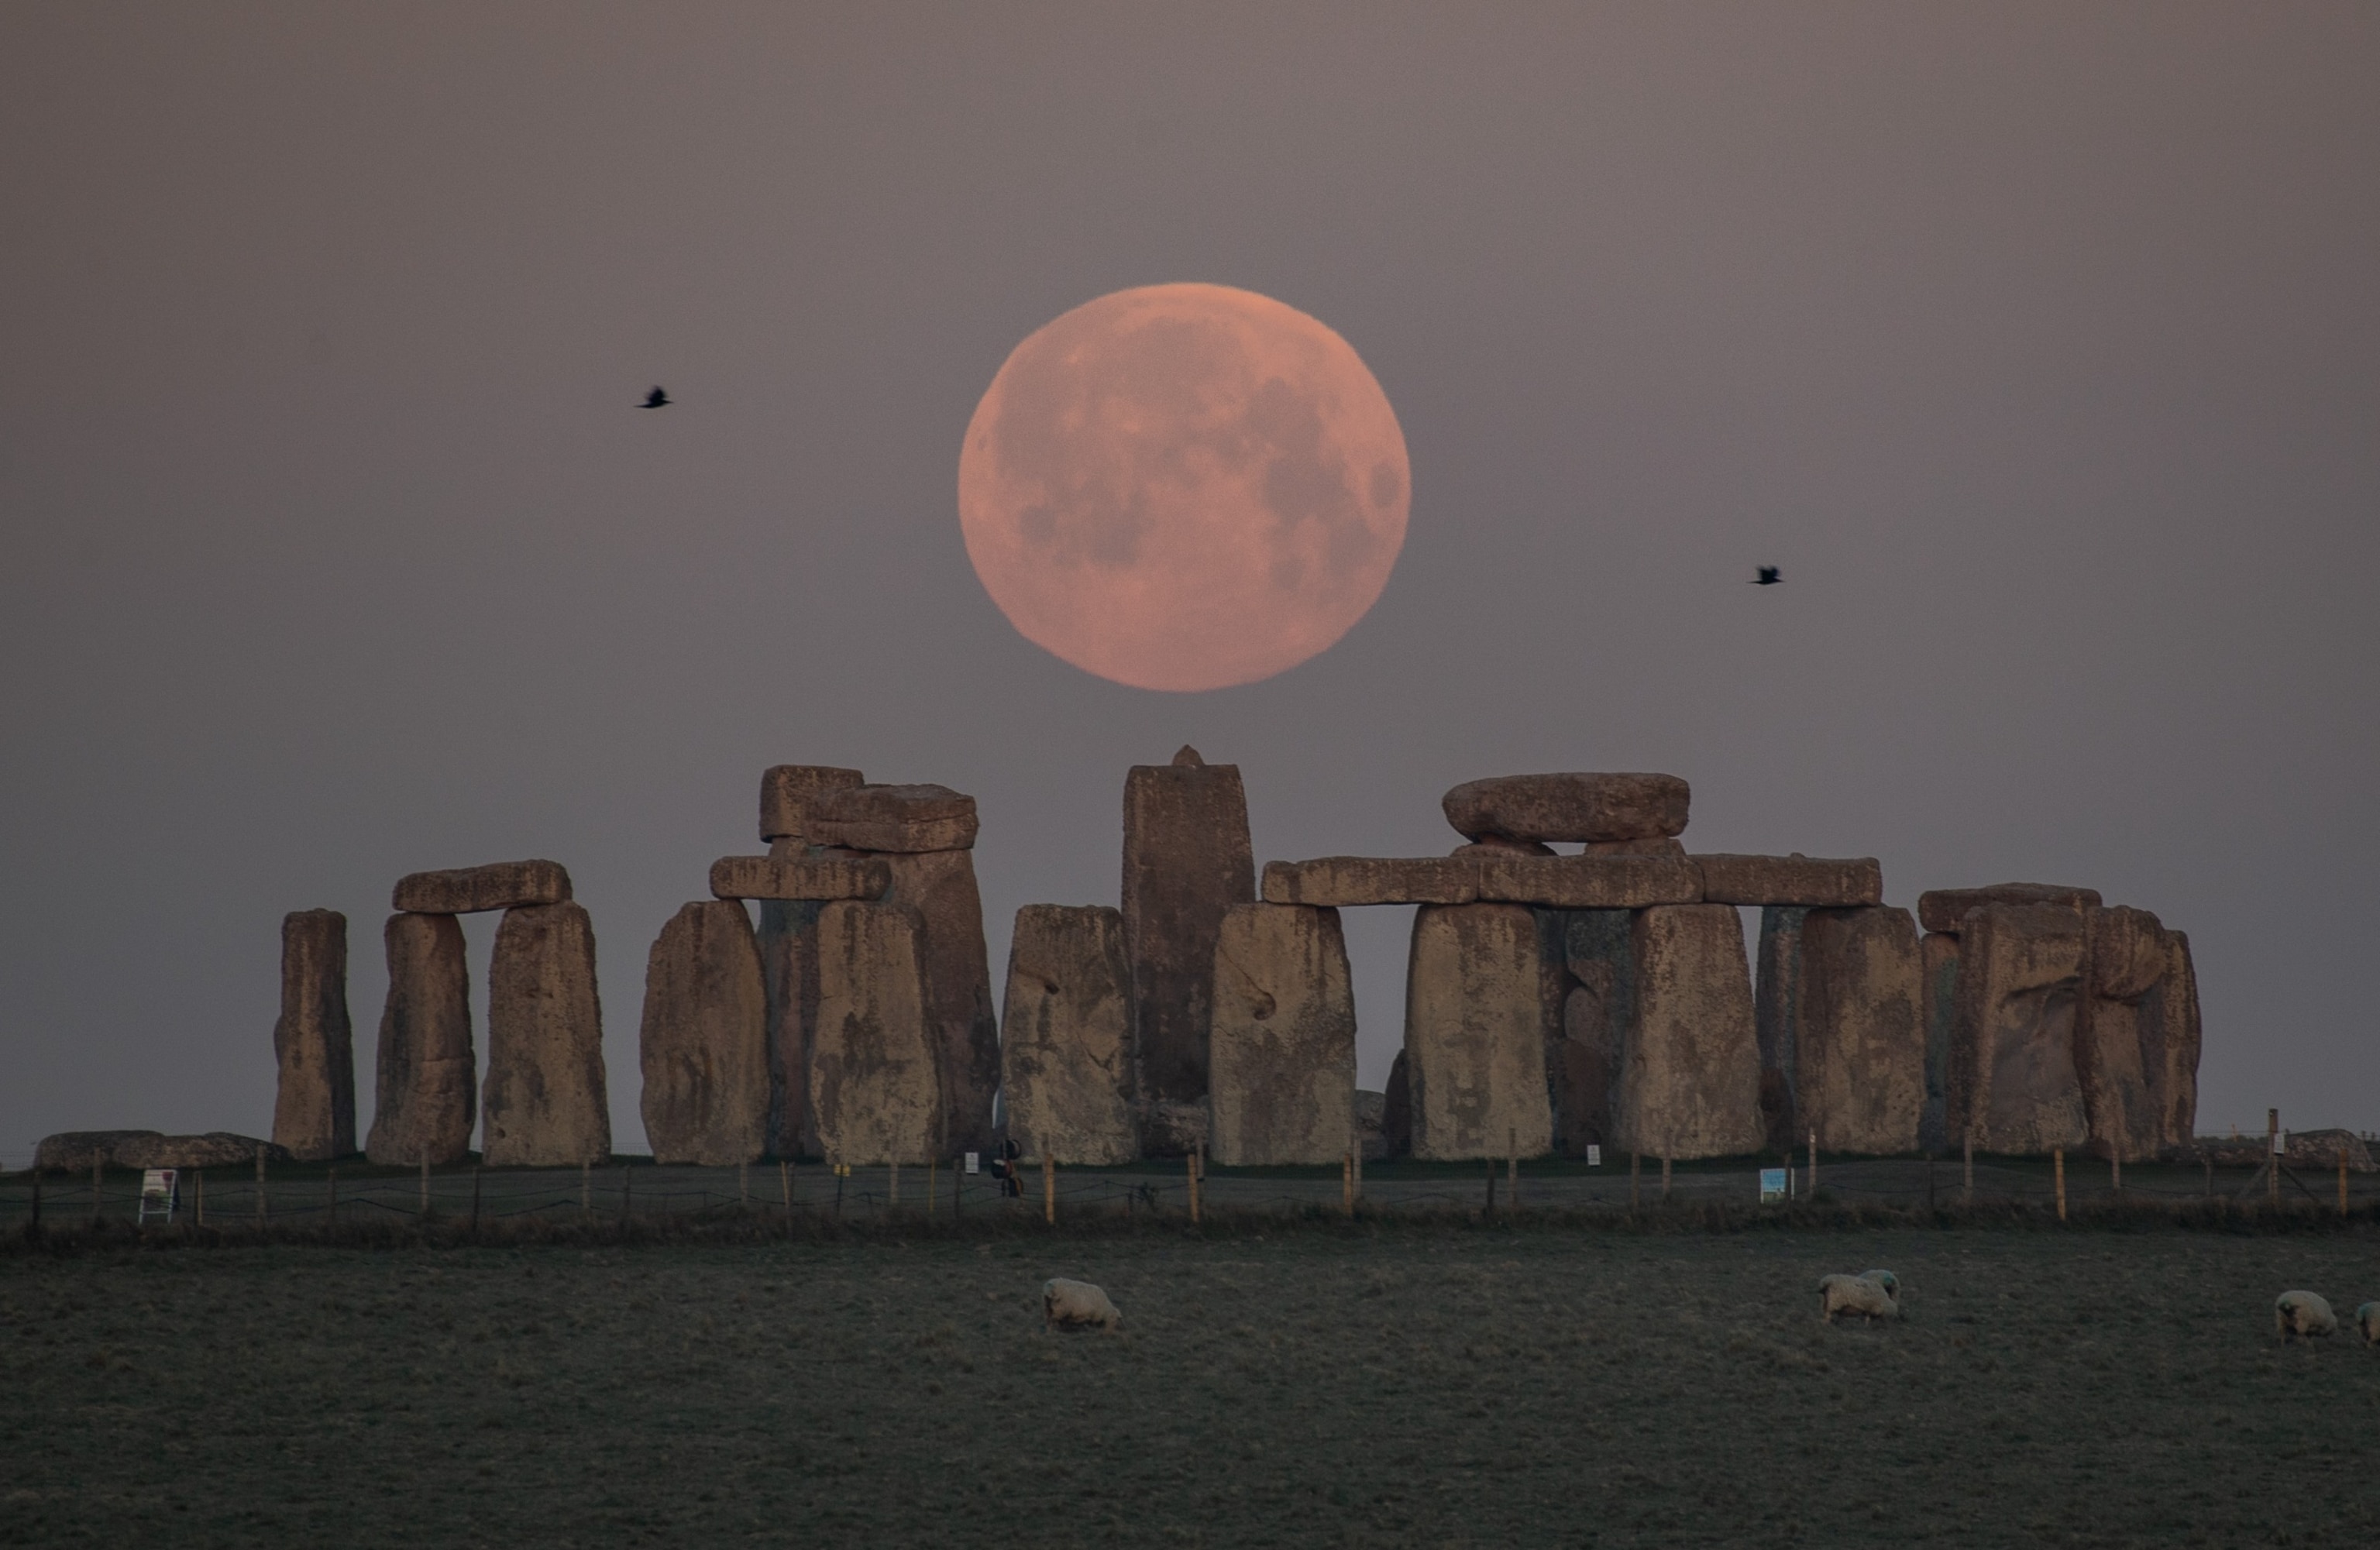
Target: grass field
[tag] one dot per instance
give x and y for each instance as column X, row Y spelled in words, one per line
column 1414, row 1383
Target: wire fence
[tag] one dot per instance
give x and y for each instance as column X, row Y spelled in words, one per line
column 642, row 1193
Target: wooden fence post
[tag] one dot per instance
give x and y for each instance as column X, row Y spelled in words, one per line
column 475, row 1200
column 1491, row 1186
column 1665, row 1178
column 625, row 1210
column 1190, row 1166
column 1635, row 1180
column 2115, row 1170
column 335, row 1198
column 2342, row 1178
column 586, row 1190
column 1347, row 1184
column 1967, row 1183
column 2057, row 1169
column 98, row 1164
column 197, row 1196
column 1048, row 1189
column 262, row 1215
column 891, row 1185
column 425, row 1184
column 785, row 1189
column 1814, row 1162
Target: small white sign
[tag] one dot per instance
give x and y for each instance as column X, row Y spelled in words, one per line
column 2280, row 1142
column 1594, row 1154
column 974, row 1163
column 1772, row 1184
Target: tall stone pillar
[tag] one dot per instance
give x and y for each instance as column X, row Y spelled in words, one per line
column 1281, row 1066
column 1939, row 962
column 545, row 1104
column 1598, row 1009
column 1476, row 1033
column 1065, row 1036
column 2013, row 1085
column 426, row 1094
column 1689, row 1083
column 788, row 945
column 1840, row 1028
column 2169, row 1044
column 703, row 1041
column 874, row 1080
column 1187, row 859
column 314, row 1107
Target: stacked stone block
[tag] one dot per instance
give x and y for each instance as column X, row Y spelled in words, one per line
column 788, row 943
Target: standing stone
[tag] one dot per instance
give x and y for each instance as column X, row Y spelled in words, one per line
column 1777, row 1018
column 1396, row 1109
column 703, row 1042
column 2169, row 1044
column 1938, row 962
column 1187, row 859
column 426, row 1096
column 1690, row 1084
column 314, row 1108
column 545, row 1104
column 2126, row 958
column 2013, row 1087
column 872, row 1078
column 789, row 973
column 786, row 791
column 1476, row 1033
column 1281, row 1071
column 1598, row 1007
column 1844, row 1037
column 1066, row 1044
column 940, row 887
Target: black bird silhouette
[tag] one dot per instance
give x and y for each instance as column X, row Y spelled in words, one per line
column 1769, row 576
column 656, row 399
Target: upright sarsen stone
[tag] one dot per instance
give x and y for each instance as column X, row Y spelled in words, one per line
column 1187, row 859
column 1065, row 1045
column 426, row 1093
column 2013, row 1087
column 2169, row 1044
column 940, row 887
column 1282, row 1072
column 703, row 1040
column 314, row 1107
column 545, row 1104
column 1859, row 1045
column 1476, row 1033
column 1598, row 1007
column 1939, row 962
column 1690, row 1082
column 873, row 1084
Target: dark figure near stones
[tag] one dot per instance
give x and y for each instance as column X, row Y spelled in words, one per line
column 1769, row 576
column 656, row 399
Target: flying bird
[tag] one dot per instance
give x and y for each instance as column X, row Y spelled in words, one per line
column 1769, row 576
column 656, row 399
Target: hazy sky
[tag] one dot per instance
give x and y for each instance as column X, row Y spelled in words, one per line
column 2039, row 345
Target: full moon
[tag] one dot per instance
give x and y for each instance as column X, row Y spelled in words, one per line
column 1183, row 487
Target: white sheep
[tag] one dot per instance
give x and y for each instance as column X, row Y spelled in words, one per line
column 2302, row 1316
column 1077, row 1305
column 2367, row 1323
column 1869, row 1296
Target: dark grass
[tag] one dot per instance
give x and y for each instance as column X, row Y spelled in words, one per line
column 1425, row 1380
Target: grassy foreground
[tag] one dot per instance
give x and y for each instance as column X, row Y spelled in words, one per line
column 1400, row 1384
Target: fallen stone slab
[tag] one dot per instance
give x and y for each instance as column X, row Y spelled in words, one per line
column 1065, row 1036
column 1476, row 1033
column 702, row 1044
column 1690, row 1082
column 1839, row 1013
column 1577, row 806
column 1587, row 883
column 1943, row 908
column 544, row 1105
column 873, row 1084
column 817, row 879
column 786, row 791
column 425, row 1087
column 76, row 1151
column 313, row 1044
column 892, row 818
column 1282, row 1051
column 1187, row 859
column 2013, row 1087
column 1334, row 880
column 501, row 885
column 1798, row 880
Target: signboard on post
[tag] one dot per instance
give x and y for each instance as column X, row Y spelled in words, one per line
column 160, row 1192
column 1772, row 1184
column 1594, row 1154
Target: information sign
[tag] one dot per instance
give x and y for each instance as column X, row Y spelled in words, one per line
column 1772, row 1184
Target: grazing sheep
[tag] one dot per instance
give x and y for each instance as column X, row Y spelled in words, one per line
column 1885, row 1278
column 2367, row 1323
column 1077, row 1305
column 1865, row 1297
column 2302, row 1316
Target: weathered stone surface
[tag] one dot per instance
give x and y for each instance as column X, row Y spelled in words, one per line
column 75, row 1151
column 2013, row 1087
column 786, row 791
column 2169, row 1043
column 1590, row 807
column 1944, row 908
column 873, row 1082
column 816, row 878
column 1598, row 1007
column 1843, row 1033
column 906, row 819
column 1476, row 1033
column 1805, row 881
column 1587, row 882
column 1282, row 1052
column 1656, row 845
column 788, row 942
column 314, row 1106
column 1396, row 1109
column 1065, row 1036
column 1371, row 1125
column 1689, row 1083
column 1187, row 859
column 702, row 1044
column 544, row 1104
column 940, row 887
column 501, row 885
column 1938, row 962
column 1497, row 844
column 1170, row 1128
column 2126, row 957
column 426, row 1092
column 1334, row 880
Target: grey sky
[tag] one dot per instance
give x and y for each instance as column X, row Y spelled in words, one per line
column 2039, row 345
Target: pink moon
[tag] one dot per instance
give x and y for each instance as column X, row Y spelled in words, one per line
column 1183, row 487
